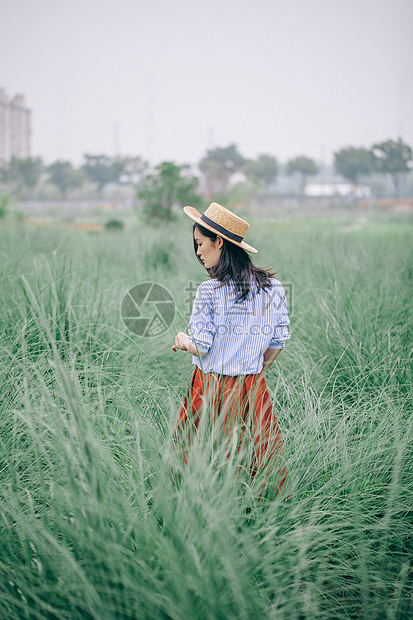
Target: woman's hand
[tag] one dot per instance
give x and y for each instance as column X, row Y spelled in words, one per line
column 182, row 342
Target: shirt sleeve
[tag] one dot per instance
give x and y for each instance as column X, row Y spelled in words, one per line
column 281, row 320
column 202, row 327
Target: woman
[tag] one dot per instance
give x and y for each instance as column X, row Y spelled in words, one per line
column 237, row 329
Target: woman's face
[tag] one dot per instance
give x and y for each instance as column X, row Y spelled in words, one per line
column 208, row 251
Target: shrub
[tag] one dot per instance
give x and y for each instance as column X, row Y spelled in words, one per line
column 168, row 187
column 114, row 225
column 4, row 201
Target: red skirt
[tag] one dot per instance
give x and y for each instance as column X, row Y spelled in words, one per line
column 239, row 404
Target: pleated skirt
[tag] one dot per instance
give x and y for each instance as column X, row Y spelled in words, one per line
column 238, row 407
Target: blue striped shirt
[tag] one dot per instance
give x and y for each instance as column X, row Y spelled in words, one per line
column 234, row 334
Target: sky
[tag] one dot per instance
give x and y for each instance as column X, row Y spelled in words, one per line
column 168, row 80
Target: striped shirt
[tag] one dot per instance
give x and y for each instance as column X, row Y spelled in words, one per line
column 234, row 334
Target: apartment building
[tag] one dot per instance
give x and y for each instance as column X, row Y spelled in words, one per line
column 14, row 127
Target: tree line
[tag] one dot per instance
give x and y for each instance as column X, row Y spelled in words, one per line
column 26, row 174
column 224, row 171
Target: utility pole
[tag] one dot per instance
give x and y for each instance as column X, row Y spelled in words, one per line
column 149, row 117
column 400, row 109
column 116, row 140
column 211, row 138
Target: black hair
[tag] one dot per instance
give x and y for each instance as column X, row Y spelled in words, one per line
column 235, row 264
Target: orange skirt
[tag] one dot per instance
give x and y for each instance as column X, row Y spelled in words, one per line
column 241, row 403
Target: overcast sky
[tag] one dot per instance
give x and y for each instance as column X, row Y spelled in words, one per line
column 168, row 79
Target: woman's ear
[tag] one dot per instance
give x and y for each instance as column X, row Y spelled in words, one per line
column 220, row 241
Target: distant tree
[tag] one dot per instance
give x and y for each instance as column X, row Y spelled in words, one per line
column 167, row 187
column 352, row 163
column 218, row 167
column 22, row 173
column 102, row 169
column 304, row 167
column 133, row 171
column 393, row 158
column 265, row 169
column 64, row 176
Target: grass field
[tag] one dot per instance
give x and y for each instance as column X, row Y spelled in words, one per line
column 93, row 525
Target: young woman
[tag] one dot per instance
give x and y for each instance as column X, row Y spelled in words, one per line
column 237, row 329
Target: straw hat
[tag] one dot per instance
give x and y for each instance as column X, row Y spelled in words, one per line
column 222, row 221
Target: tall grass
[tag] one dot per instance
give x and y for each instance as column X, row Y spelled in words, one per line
column 100, row 519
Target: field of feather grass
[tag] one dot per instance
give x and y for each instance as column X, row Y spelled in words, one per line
column 92, row 522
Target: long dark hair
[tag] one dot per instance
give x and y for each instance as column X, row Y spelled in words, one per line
column 235, row 264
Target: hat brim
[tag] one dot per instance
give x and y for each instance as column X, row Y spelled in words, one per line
column 196, row 216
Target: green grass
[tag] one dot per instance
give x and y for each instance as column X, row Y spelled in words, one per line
column 93, row 523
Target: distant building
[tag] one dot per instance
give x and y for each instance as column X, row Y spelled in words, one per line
column 346, row 190
column 14, row 127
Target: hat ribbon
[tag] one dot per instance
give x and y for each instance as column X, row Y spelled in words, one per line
column 221, row 229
